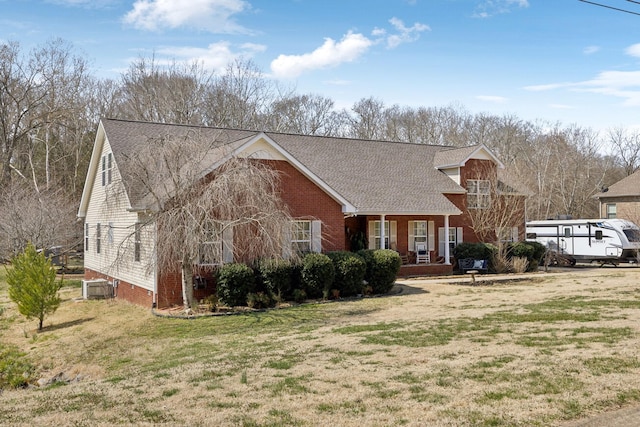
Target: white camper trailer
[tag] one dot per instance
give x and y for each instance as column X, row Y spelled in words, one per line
column 586, row 240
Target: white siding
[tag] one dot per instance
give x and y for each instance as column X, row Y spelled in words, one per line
column 453, row 173
column 109, row 205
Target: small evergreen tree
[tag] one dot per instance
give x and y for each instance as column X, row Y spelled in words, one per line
column 32, row 284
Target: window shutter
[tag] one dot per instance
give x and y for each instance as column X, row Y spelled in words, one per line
column 316, row 236
column 514, row 234
column 393, row 230
column 104, row 172
column 227, row 244
column 286, row 244
column 431, row 238
column 441, row 241
column 459, row 235
column 412, row 242
column 372, row 236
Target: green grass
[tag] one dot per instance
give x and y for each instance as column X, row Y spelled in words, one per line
column 260, row 369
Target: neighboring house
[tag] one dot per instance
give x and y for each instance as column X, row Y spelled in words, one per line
column 339, row 191
column 622, row 199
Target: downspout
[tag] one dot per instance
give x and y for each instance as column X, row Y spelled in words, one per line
column 447, row 256
column 154, row 302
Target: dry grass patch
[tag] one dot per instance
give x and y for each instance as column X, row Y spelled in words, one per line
column 531, row 352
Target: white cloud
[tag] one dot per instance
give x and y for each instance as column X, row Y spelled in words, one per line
column 633, row 50
column 621, row 84
column 561, row 106
column 406, row 34
column 589, row 50
column 330, row 54
column 214, row 57
column 492, row 98
column 210, row 15
column 350, row 48
column 490, row 8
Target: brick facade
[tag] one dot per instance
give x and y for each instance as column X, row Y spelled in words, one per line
column 306, row 200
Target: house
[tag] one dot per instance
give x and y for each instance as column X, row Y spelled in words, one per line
column 343, row 193
column 622, row 199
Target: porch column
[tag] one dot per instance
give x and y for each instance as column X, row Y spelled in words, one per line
column 447, row 257
column 382, row 236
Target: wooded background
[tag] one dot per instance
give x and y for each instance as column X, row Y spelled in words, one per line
column 50, row 105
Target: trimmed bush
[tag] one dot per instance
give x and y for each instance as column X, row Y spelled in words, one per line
column 474, row 250
column 235, row 282
column 350, row 270
column 382, row 269
column 276, row 276
column 317, row 274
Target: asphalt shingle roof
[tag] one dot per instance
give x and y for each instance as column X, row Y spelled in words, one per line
column 629, row 186
column 373, row 176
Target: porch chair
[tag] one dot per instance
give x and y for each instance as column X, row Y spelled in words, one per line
column 422, row 254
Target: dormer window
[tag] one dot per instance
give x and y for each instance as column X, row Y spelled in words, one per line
column 478, row 193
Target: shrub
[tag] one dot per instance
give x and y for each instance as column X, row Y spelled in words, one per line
column 299, row 295
column 15, row 370
column 259, row 300
column 235, row 282
column 317, row 274
column 350, row 270
column 474, row 250
column 382, row 269
column 276, row 276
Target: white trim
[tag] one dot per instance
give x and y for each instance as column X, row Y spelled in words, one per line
column 473, row 155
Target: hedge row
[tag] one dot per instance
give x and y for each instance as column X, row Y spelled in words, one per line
column 317, row 275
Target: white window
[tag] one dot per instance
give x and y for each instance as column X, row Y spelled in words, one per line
column 217, row 246
column 107, row 169
column 454, row 239
column 301, row 237
column 421, row 232
column 305, row 236
column 210, row 250
column 390, row 234
column 611, row 210
column 478, row 193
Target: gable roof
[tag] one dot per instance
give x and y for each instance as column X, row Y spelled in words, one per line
column 366, row 177
column 628, row 186
column 457, row 157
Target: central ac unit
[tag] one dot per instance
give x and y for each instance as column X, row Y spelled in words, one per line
column 96, row 288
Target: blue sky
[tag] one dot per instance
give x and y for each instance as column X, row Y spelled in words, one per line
column 562, row 61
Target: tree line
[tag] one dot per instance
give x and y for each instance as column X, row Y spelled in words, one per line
column 50, row 104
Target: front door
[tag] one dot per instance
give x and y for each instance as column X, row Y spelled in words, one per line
column 566, row 239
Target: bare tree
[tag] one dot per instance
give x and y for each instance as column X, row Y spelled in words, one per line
column 194, row 205
column 626, row 147
column 240, row 98
column 171, row 93
column 45, row 218
column 304, row 114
